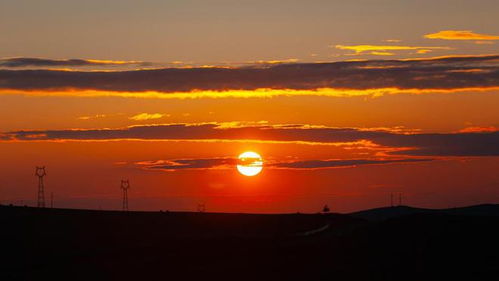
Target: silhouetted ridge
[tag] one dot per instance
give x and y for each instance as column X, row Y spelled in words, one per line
column 384, row 213
column 388, row 212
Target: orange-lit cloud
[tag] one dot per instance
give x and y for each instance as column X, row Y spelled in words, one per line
column 257, row 93
column 274, row 61
column 376, row 53
column 479, row 129
column 146, row 116
column 92, row 117
column 392, row 40
column 423, row 51
column 360, row 49
column 460, row 35
column 469, row 70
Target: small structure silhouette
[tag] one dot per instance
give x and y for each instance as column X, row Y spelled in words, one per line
column 326, row 209
column 125, row 185
column 392, row 199
column 41, row 173
column 201, row 208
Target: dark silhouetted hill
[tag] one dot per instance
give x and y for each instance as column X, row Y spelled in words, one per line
column 407, row 244
column 384, row 213
column 477, row 210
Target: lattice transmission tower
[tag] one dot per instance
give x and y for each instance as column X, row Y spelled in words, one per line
column 40, row 173
column 125, row 185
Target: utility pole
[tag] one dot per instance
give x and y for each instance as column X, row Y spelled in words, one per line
column 125, row 185
column 40, row 173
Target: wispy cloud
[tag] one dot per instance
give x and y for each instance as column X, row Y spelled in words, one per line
column 274, row 61
column 384, row 49
column 478, row 129
column 377, row 53
column 189, row 164
column 484, row 143
column 146, row 116
column 92, row 117
column 325, row 164
column 229, row 163
column 460, row 35
column 392, row 40
column 424, row 51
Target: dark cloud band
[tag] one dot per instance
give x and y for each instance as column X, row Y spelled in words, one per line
column 39, row 62
column 443, row 73
column 448, row 144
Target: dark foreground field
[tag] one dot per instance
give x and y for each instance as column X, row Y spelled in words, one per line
column 398, row 243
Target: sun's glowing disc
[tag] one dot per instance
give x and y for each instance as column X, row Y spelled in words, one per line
column 250, row 163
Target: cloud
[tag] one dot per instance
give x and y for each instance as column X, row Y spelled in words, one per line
column 39, row 62
column 424, row 51
column 274, row 61
column 146, row 116
column 361, row 49
column 96, row 116
column 227, row 163
column 382, row 53
column 479, row 129
column 189, row 164
column 316, row 78
column 484, row 42
column 323, row 164
column 414, row 144
column 460, row 35
column 392, row 40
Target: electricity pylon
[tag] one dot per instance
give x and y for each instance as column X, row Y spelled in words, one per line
column 40, row 173
column 125, row 185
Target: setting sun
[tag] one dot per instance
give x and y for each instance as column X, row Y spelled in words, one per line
column 250, row 163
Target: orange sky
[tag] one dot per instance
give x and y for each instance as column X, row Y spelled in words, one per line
column 344, row 110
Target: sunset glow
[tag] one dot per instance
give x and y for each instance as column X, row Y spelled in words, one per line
column 249, row 140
